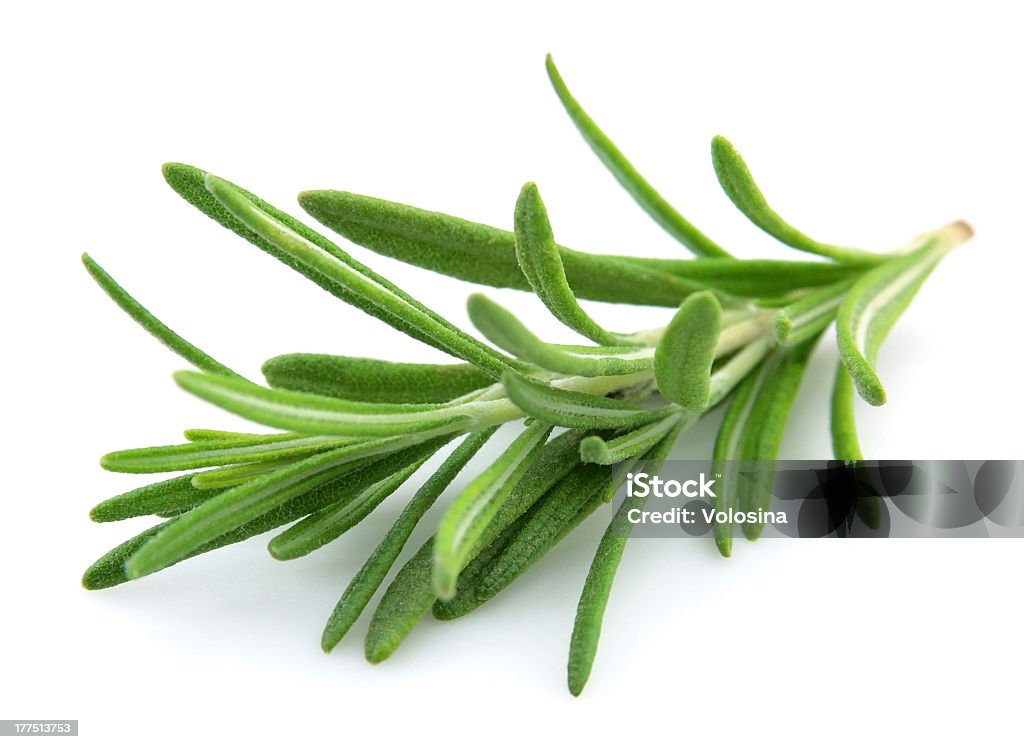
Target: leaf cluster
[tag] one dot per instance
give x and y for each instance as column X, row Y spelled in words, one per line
column 352, row 432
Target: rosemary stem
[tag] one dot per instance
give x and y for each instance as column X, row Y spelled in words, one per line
column 733, row 372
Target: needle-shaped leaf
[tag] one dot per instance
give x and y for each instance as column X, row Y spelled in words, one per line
column 597, row 588
column 741, row 189
column 764, row 425
column 229, row 476
column 411, row 593
column 369, row 577
column 541, row 263
column 548, row 521
column 164, row 496
column 173, row 513
column 373, row 380
column 407, row 599
column 483, row 254
column 639, row 188
column 686, row 352
column 377, row 293
column 190, row 183
column 464, row 599
column 595, row 449
column 749, row 278
column 502, row 329
column 219, row 452
column 233, row 508
column 327, row 524
column 149, row 322
column 726, row 458
column 878, row 299
column 109, row 570
column 554, row 461
column 810, row 315
column 571, row 409
column 242, row 438
column 486, row 255
column 846, row 445
column 320, row 414
column 525, row 543
column 464, row 522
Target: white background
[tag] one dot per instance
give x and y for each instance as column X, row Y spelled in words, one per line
column 865, row 123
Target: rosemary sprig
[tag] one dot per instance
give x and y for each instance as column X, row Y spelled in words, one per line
column 357, row 430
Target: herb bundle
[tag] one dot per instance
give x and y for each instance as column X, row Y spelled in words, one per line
column 355, row 430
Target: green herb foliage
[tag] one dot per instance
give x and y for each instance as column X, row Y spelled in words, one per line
column 356, row 431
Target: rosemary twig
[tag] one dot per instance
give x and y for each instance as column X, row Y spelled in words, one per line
column 357, row 430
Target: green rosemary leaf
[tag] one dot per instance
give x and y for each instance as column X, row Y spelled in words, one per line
column 165, row 496
column 571, row 409
column 190, row 183
column 319, row 414
column 739, row 185
column 373, row 380
column 327, row 524
column 209, row 435
column 369, row 577
column 878, row 299
column 375, row 291
column 557, row 513
column 523, row 543
column 487, row 255
column 749, row 278
column 541, row 263
column 778, row 302
column 809, row 315
column 554, row 461
column 764, row 426
column 151, row 324
column 597, row 588
column 109, row 570
column 173, row 512
column 846, row 446
column 407, row 599
column 627, row 175
column 240, row 439
column 726, row 457
column 218, row 452
column 470, row 512
column 482, row 254
column 229, row 476
column 464, row 600
column 502, row 329
column 235, row 507
column 686, row 352
column 536, row 531
column 411, row 593
column 595, row 449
